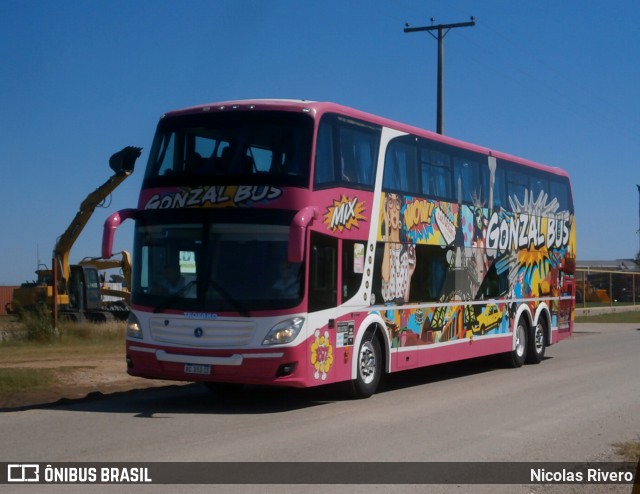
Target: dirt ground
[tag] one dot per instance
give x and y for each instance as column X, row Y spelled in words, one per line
column 76, row 378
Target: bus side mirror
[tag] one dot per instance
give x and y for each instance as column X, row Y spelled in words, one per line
column 297, row 232
column 109, row 230
column 124, row 160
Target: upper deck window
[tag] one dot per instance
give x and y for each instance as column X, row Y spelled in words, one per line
column 422, row 167
column 518, row 186
column 435, row 167
column 346, row 153
column 400, row 168
column 233, row 147
column 471, row 181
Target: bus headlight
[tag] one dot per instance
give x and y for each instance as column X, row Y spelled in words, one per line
column 284, row 332
column 133, row 327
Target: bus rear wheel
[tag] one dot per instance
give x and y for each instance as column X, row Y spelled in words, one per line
column 369, row 367
column 537, row 344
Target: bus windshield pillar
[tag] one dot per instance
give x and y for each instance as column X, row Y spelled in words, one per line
column 301, row 220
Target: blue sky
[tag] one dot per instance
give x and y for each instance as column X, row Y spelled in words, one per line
column 552, row 81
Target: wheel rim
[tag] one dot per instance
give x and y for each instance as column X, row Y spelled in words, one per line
column 520, row 340
column 367, row 362
column 539, row 338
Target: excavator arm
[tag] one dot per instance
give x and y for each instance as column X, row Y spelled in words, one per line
column 122, row 163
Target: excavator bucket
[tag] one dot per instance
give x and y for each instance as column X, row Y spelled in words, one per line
column 124, row 160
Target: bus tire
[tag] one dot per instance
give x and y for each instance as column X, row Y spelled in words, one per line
column 368, row 368
column 537, row 343
column 517, row 357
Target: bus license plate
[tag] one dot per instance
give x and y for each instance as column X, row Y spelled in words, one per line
column 202, row 369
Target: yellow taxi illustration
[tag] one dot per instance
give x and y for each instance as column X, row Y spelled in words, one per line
column 489, row 319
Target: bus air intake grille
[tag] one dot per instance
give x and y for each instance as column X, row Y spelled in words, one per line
column 212, row 334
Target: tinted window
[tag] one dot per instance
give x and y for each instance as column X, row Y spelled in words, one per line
column 323, row 271
column 426, row 283
column 435, row 167
column 215, row 267
column 515, row 182
column 346, row 153
column 559, row 189
column 471, row 180
column 499, row 190
column 400, row 168
column 353, row 255
column 416, row 166
column 539, row 185
column 232, row 147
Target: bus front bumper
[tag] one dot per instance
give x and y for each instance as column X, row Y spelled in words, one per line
column 282, row 366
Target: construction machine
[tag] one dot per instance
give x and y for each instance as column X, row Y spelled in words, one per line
column 116, row 293
column 79, row 294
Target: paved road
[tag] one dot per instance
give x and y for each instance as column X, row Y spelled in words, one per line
column 583, row 398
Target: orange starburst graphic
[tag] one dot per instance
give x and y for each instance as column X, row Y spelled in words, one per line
column 344, row 213
column 531, row 258
column 535, row 266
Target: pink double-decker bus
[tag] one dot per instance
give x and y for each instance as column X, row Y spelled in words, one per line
column 298, row 243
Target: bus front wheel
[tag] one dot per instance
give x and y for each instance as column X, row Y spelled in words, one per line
column 369, row 367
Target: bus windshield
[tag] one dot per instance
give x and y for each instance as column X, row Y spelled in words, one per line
column 215, row 267
column 232, row 147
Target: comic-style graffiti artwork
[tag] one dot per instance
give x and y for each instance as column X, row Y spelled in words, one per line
column 399, row 260
column 456, row 256
column 345, row 214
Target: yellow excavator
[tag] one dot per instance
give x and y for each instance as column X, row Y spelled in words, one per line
column 79, row 294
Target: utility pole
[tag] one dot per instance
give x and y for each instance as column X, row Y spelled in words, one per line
column 638, row 232
column 442, row 29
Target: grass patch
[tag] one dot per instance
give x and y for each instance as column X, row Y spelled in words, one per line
column 612, row 318
column 72, row 340
column 21, row 380
column 629, row 451
column 37, row 327
column 90, row 333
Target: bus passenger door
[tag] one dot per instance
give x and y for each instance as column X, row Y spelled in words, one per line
column 322, row 301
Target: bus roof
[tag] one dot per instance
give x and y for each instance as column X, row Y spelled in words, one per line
column 317, row 109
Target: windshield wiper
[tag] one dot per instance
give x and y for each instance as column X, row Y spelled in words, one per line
column 229, row 298
column 173, row 298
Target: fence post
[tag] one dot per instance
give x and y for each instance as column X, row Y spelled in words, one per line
column 610, row 289
column 54, row 289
